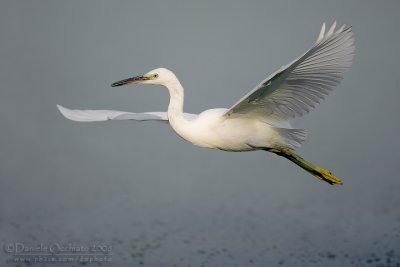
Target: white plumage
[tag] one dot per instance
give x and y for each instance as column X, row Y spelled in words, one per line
column 259, row 120
column 297, row 87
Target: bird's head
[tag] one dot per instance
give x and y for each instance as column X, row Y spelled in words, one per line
column 160, row 76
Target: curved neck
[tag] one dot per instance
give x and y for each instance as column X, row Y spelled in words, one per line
column 175, row 108
column 178, row 122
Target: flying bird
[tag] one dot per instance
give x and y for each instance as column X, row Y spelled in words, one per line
column 260, row 119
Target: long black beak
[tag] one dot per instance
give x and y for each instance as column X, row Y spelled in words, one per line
column 136, row 79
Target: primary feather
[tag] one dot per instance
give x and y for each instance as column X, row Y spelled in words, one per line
column 88, row 115
column 296, row 88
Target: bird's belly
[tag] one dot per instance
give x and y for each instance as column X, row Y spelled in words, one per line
column 235, row 135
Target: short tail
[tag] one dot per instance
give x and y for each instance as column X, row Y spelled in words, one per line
column 316, row 171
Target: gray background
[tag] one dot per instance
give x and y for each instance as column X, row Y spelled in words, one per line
column 160, row 201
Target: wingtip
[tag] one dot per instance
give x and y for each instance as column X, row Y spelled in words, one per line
column 64, row 111
column 331, row 29
column 321, row 33
column 61, row 109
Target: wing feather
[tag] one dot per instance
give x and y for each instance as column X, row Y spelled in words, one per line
column 105, row 115
column 296, row 88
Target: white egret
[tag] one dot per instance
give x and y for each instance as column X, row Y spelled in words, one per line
column 259, row 120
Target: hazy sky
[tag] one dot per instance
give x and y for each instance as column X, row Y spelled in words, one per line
column 158, row 200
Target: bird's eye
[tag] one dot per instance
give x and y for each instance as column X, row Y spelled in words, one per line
column 155, row 75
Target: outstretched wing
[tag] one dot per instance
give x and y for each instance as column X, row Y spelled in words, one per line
column 87, row 115
column 297, row 87
column 105, row 115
